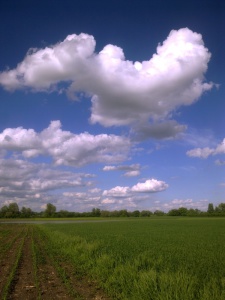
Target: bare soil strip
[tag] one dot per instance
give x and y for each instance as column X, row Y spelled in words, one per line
column 39, row 274
column 8, row 259
column 24, row 285
column 88, row 289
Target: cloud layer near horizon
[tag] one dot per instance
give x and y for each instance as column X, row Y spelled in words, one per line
column 26, row 181
column 34, row 185
column 122, row 92
column 30, row 184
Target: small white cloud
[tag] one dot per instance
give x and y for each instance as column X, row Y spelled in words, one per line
column 118, row 191
column 43, row 206
column 109, row 168
column 132, row 173
column 95, row 191
column 130, row 170
column 150, row 186
column 74, row 195
column 108, row 201
column 122, row 168
column 200, row 152
column 181, row 202
column 206, row 152
column 220, row 162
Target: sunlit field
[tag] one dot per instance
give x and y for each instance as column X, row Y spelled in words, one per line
column 145, row 258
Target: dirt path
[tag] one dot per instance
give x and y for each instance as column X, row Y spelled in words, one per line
column 29, row 272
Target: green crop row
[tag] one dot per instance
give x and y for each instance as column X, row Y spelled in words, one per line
column 42, row 252
column 8, row 238
column 146, row 259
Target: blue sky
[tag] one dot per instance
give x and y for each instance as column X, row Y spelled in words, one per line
column 112, row 105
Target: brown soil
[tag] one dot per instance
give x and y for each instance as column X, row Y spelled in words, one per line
column 9, row 249
column 23, row 285
column 40, row 277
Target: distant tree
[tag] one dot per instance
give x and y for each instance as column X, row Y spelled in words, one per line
column 115, row 213
column 50, row 210
column 105, row 213
column 183, row 211
column 135, row 213
column 26, row 212
column 173, row 212
column 96, row 212
column 210, row 209
column 193, row 212
column 220, row 209
column 13, row 210
column 159, row 213
column 63, row 214
column 74, row 214
column 123, row 213
column 145, row 213
column 86, row 214
column 3, row 211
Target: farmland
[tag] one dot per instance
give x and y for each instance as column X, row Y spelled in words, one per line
column 143, row 258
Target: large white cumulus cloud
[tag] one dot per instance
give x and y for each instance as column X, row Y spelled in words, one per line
column 151, row 89
column 64, row 147
column 122, row 92
column 41, row 69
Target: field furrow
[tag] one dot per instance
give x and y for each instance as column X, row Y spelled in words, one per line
column 9, row 260
column 8, row 235
column 24, row 283
column 50, row 284
column 61, row 274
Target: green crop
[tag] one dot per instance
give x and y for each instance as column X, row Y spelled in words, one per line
column 146, row 258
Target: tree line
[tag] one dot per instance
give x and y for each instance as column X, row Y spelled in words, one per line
column 12, row 211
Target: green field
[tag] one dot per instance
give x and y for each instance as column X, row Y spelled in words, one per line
column 152, row 258
column 124, row 258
